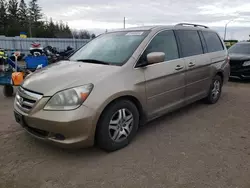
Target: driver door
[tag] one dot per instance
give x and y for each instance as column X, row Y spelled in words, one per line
column 165, row 81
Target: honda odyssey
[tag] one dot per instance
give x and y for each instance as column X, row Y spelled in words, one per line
column 120, row 80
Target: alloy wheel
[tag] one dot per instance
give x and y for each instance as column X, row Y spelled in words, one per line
column 121, row 125
column 216, row 89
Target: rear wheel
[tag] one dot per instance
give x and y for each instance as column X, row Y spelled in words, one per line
column 8, row 90
column 117, row 126
column 215, row 90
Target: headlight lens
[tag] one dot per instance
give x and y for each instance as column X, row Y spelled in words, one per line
column 69, row 99
column 246, row 63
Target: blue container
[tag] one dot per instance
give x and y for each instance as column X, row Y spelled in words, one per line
column 32, row 62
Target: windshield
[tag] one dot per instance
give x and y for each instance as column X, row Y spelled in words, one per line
column 112, row 48
column 240, row 49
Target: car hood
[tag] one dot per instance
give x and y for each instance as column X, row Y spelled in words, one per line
column 66, row 74
column 240, row 57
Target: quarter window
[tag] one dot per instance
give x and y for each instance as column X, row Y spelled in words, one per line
column 213, row 42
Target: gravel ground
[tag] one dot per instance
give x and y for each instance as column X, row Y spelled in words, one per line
column 198, row 146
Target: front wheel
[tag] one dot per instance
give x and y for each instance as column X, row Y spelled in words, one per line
column 117, row 126
column 215, row 90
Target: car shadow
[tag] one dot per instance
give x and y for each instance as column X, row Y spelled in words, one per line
column 64, row 153
column 170, row 117
column 234, row 80
column 95, row 152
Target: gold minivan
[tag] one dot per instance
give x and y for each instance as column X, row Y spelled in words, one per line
column 119, row 81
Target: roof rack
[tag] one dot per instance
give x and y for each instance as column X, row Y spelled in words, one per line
column 189, row 24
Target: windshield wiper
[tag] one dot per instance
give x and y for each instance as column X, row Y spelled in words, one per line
column 93, row 61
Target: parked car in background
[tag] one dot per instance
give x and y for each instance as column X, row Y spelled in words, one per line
column 120, row 80
column 240, row 60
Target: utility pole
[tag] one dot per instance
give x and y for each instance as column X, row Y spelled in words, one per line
column 124, row 23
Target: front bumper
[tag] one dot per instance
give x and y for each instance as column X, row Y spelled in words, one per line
column 241, row 73
column 67, row 129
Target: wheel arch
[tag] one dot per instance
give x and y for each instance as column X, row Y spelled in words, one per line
column 128, row 97
column 221, row 74
column 131, row 98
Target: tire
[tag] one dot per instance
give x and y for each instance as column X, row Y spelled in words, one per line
column 8, row 90
column 214, row 96
column 109, row 138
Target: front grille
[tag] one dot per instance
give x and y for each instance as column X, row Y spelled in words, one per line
column 26, row 100
column 236, row 64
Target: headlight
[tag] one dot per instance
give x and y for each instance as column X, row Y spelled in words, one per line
column 69, row 99
column 246, row 63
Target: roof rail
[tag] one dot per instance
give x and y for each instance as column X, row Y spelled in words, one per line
column 189, row 24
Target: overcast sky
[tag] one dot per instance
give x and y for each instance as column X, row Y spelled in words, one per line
column 99, row 15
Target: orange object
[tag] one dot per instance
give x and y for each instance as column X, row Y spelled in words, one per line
column 17, row 78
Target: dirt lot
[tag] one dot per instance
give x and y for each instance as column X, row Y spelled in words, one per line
column 198, row 146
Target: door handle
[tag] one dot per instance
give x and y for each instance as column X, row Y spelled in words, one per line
column 191, row 64
column 179, row 67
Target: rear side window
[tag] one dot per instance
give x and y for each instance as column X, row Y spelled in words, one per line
column 190, row 43
column 213, row 41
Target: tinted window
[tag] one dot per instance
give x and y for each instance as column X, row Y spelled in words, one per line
column 203, row 42
column 190, row 43
column 213, row 42
column 163, row 42
column 240, row 48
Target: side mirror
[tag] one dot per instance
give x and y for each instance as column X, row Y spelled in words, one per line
column 155, row 57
